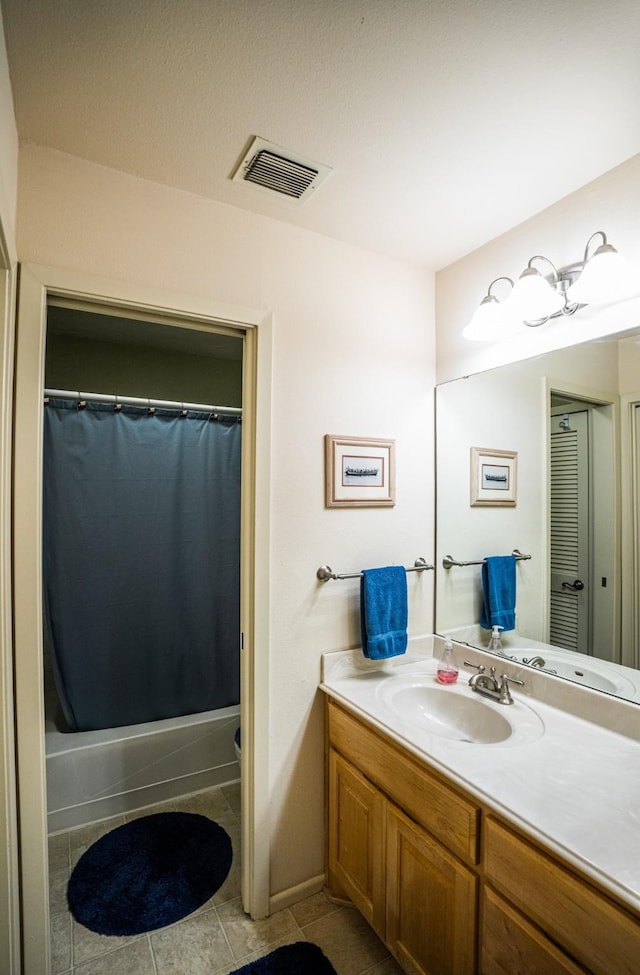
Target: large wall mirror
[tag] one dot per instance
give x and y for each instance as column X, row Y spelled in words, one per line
column 572, row 419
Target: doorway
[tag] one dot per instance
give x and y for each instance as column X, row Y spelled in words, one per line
column 39, row 286
column 141, row 555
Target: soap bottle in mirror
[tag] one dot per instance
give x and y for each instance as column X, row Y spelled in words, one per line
column 495, row 643
column 447, row 671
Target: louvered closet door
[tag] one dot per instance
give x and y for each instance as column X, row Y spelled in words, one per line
column 569, row 609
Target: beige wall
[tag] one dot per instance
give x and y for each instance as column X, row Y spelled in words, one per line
column 629, row 366
column 610, row 203
column 9, row 893
column 8, row 152
column 9, row 902
column 353, row 355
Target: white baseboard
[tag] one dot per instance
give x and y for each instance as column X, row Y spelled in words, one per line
column 285, row 898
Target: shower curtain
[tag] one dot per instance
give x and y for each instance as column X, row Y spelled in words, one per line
column 141, row 562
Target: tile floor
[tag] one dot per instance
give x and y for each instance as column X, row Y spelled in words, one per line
column 219, row 937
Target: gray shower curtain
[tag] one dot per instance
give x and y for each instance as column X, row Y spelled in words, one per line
column 141, row 562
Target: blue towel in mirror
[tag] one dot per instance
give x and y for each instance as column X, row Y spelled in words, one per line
column 383, row 612
column 499, row 592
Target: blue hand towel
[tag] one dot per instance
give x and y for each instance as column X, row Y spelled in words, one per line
column 383, row 612
column 499, row 592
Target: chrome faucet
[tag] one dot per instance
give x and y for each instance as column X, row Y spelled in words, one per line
column 534, row 661
column 488, row 685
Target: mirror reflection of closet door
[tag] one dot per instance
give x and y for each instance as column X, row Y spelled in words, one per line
column 569, row 532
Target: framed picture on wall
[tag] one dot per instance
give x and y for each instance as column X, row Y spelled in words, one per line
column 494, row 476
column 359, row 472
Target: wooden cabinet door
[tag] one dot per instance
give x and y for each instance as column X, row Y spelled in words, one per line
column 431, row 902
column 356, row 839
column 513, row 946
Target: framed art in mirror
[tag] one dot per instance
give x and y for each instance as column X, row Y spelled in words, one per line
column 494, row 477
column 359, row 472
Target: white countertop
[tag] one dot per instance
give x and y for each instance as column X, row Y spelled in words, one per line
column 574, row 787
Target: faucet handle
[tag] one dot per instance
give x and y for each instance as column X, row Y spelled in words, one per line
column 511, row 680
column 479, row 667
column 505, row 693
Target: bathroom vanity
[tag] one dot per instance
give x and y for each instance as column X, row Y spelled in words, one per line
column 480, row 847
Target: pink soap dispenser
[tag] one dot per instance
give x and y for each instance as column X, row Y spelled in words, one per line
column 447, row 672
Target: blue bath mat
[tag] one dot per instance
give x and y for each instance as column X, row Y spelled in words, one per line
column 301, row 958
column 149, row 873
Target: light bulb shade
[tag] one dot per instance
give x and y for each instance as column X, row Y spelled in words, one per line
column 605, row 277
column 490, row 323
column 533, row 298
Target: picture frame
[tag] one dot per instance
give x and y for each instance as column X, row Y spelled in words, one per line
column 494, row 478
column 359, row 472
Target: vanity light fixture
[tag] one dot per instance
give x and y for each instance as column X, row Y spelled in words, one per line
column 490, row 321
column 599, row 278
column 534, row 298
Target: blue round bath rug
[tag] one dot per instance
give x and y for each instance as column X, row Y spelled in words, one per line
column 299, row 958
column 149, row 873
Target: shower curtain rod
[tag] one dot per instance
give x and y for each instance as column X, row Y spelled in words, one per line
column 151, row 404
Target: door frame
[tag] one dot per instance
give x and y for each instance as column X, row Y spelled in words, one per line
column 9, row 864
column 36, row 283
column 630, row 499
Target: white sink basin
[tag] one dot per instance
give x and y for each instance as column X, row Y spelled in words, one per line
column 457, row 713
column 575, row 667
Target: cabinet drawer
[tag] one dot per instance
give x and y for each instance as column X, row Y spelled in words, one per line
column 446, row 814
column 595, row 931
column 512, row 946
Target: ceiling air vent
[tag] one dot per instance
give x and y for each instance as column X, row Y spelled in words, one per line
column 277, row 170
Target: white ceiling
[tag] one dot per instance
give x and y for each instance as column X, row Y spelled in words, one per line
column 446, row 122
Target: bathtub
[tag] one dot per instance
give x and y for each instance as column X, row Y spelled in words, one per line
column 95, row 774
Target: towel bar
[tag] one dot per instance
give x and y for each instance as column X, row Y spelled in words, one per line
column 325, row 572
column 448, row 561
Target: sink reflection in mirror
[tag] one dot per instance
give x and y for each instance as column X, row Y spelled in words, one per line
column 583, row 669
column 454, row 713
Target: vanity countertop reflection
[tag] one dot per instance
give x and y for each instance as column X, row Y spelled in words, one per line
column 575, row 787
